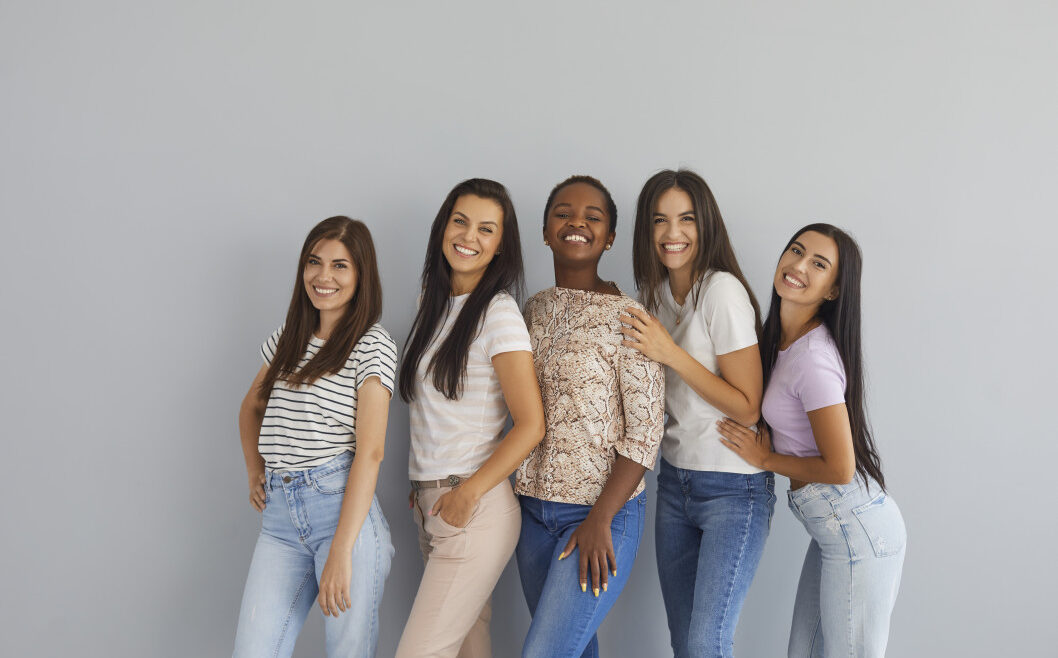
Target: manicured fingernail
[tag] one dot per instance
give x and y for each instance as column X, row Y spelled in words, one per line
column 596, row 590
column 584, row 587
column 615, row 573
column 562, row 555
column 603, row 587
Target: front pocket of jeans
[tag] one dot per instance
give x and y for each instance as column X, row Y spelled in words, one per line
column 332, row 483
column 883, row 526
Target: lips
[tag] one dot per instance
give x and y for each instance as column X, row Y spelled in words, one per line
column 793, row 281
column 324, row 292
column 675, row 247
column 576, row 237
column 464, row 251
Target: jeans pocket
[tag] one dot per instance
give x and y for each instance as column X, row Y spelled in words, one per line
column 883, row 525
column 331, row 483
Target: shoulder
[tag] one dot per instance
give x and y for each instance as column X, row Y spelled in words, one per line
column 720, row 287
column 819, row 350
column 503, row 302
column 375, row 339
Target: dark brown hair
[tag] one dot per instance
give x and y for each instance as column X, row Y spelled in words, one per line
column 364, row 309
column 611, row 207
column 842, row 318
column 504, row 273
column 714, row 246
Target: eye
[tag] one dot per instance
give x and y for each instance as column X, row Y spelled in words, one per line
column 340, row 266
column 795, row 250
column 660, row 220
column 313, row 261
column 562, row 215
column 687, row 218
column 458, row 220
column 486, row 229
column 592, row 218
column 820, row 265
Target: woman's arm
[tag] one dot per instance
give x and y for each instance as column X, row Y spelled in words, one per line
column 836, row 463
column 521, row 391
column 372, row 413
column 736, row 392
column 251, row 414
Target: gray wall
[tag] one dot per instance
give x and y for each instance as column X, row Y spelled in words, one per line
column 161, row 163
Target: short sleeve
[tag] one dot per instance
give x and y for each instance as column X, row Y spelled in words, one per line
column 820, row 379
column 728, row 313
column 504, row 329
column 376, row 356
column 268, row 349
column 641, row 382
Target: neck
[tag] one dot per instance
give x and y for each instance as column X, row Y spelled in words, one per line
column 328, row 321
column 580, row 278
column 462, row 284
column 680, row 283
column 796, row 321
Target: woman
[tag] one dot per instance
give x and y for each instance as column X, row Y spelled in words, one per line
column 313, row 427
column 714, row 509
column 814, row 405
column 581, row 489
column 467, row 362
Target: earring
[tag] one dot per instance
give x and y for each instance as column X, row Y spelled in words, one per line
column 546, row 243
column 608, row 246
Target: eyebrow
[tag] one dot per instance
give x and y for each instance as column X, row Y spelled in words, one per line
column 803, row 248
column 679, row 214
column 336, row 260
column 570, row 205
column 487, row 221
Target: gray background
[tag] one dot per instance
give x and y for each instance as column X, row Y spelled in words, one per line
column 160, row 164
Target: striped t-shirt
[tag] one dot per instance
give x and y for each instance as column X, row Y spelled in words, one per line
column 455, row 437
column 305, row 426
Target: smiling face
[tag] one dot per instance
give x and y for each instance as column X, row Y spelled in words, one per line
column 676, row 232
column 807, row 273
column 330, row 277
column 472, row 235
column 578, row 226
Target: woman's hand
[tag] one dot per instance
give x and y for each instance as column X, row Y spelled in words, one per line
column 648, row 336
column 257, row 492
column 455, row 507
column 593, row 541
column 334, row 581
column 754, row 447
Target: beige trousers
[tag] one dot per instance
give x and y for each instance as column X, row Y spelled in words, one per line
column 450, row 616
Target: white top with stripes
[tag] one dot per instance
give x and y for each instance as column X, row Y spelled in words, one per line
column 305, row 426
column 455, row 437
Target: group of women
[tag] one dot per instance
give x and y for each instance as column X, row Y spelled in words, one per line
column 595, row 383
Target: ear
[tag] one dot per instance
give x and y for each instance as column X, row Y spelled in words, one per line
column 833, row 294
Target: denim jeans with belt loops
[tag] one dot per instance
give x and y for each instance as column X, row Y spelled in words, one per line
column 297, row 526
column 851, row 572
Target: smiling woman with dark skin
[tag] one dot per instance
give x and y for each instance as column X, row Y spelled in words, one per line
column 581, row 489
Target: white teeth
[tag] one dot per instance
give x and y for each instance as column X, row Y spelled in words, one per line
column 465, row 251
column 576, row 238
column 675, row 247
column 792, row 280
column 324, row 291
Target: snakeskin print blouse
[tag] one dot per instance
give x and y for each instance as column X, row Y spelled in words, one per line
column 600, row 398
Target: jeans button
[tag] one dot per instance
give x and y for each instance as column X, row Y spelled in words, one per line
column 286, row 479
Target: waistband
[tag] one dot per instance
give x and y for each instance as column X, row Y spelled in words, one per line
column 289, row 478
column 856, row 489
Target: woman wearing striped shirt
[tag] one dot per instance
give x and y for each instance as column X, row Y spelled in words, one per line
column 467, row 362
column 313, row 427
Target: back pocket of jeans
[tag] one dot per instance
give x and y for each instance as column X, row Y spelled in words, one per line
column 883, row 525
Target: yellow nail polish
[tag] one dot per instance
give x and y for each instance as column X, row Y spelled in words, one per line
column 584, row 587
column 561, row 556
column 615, row 573
column 604, row 587
column 596, row 590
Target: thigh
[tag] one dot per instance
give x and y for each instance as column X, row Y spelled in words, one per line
column 280, row 590
column 806, row 633
column 566, row 618
column 537, row 549
column 677, row 542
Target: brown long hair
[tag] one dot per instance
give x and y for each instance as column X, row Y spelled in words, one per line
column 364, row 309
column 503, row 274
column 714, row 246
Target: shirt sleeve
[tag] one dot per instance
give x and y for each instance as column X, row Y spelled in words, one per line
column 641, row 383
column 268, row 349
column 503, row 329
column 821, row 379
column 376, row 357
column 728, row 314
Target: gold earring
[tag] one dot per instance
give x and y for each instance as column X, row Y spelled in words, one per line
column 608, row 246
column 546, row 243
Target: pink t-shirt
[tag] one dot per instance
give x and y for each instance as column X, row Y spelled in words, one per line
column 808, row 375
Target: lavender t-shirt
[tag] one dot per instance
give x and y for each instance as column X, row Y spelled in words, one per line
column 808, row 375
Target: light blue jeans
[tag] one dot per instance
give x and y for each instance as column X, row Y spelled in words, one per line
column 710, row 532
column 851, row 573
column 297, row 525
column 565, row 618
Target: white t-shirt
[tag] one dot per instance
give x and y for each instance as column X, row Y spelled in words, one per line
column 455, row 437
column 721, row 322
column 305, row 426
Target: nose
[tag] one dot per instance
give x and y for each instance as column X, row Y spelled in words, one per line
column 577, row 219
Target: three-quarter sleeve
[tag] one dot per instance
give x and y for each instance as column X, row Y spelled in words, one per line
column 641, row 383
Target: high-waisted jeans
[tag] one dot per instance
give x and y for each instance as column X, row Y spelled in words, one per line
column 297, row 526
column 565, row 618
column 710, row 533
column 851, row 572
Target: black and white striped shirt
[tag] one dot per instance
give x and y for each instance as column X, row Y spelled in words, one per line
column 305, row 426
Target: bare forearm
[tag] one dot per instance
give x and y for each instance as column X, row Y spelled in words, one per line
column 359, row 492
column 624, row 478
column 714, row 389
column 514, row 448
column 809, row 469
column 250, row 418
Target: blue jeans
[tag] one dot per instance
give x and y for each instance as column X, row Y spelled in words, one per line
column 710, row 533
column 297, row 525
column 851, row 573
column 564, row 618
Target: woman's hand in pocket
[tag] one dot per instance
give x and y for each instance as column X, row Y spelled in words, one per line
column 455, row 507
